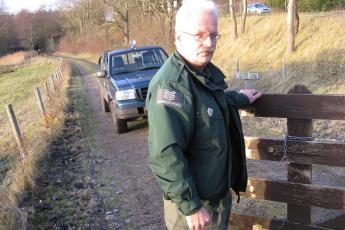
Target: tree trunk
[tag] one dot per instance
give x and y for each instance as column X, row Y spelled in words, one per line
column 244, row 16
column 290, row 28
column 296, row 19
column 126, row 24
column 233, row 19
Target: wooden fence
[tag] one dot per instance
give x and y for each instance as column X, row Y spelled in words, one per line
column 300, row 107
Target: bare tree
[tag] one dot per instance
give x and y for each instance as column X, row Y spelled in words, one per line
column 2, row 7
column 233, row 19
column 296, row 16
column 78, row 15
column 8, row 36
column 244, row 16
column 290, row 27
column 296, row 19
column 115, row 15
column 24, row 27
column 2, row 15
column 163, row 11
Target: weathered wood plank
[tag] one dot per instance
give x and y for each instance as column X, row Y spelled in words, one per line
column 334, row 223
column 309, row 152
column 300, row 106
column 297, row 194
column 241, row 221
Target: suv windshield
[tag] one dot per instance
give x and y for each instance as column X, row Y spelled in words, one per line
column 137, row 60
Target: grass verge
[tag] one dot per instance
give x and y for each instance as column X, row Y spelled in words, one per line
column 21, row 175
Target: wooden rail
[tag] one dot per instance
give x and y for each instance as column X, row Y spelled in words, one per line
column 300, row 107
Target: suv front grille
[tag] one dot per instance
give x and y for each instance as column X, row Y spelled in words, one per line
column 142, row 93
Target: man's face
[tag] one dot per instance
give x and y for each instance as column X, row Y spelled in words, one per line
column 198, row 39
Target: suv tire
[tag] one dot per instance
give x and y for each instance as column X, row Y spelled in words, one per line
column 120, row 124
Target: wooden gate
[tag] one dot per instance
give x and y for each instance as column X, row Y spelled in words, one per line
column 300, row 108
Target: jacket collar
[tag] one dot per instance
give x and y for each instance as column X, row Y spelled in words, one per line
column 212, row 77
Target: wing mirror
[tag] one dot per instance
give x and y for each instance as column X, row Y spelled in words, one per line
column 101, row 73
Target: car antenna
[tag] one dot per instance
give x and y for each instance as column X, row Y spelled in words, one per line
column 132, row 43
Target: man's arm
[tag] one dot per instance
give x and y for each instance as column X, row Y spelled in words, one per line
column 252, row 94
column 244, row 97
column 171, row 124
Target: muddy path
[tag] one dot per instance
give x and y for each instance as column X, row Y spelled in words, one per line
column 94, row 178
column 131, row 194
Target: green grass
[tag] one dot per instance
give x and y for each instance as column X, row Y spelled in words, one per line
column 17, row 88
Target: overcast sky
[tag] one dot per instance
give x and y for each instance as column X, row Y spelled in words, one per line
column 14, row 6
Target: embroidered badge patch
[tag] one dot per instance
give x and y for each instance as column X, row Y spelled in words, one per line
column 169, row 97
column 210, row 112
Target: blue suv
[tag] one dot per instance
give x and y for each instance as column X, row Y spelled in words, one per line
column 124, row 77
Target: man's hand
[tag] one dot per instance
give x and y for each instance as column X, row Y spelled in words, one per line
column 252, row 94
column 198, row 220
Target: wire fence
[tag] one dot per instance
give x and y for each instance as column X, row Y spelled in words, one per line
column 49, row 105
column 273, row 74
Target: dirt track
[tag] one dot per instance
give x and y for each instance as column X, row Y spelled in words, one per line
column 94, row 178
column 131, row 195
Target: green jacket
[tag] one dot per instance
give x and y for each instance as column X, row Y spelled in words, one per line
column 195, row 136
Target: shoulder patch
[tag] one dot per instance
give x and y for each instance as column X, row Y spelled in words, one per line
column 169, row 97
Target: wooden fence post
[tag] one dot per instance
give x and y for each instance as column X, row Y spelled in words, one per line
column 47, row 90
column 56, row 77
column 237, row 65
column 283, row 69
column 40, row 101
column 53, row 83
column 299, row 173
column 16, row 129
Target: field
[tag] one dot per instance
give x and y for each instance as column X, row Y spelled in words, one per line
column 318, row 61
column 17, row 88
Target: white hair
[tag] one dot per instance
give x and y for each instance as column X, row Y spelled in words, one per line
column 191, row 8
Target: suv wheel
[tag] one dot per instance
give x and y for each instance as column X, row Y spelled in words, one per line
column 120, row 124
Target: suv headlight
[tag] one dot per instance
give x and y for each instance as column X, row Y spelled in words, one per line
column 122, row 95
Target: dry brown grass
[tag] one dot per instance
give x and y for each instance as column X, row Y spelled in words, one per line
column 17, row 58
column 21, row 176
column 318, row 61
column 10, row 216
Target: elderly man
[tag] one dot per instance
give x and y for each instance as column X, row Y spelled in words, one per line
column 195, row 136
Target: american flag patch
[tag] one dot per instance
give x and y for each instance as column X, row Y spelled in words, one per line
column 169, row 97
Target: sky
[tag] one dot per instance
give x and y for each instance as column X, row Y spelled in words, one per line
column 14, row 6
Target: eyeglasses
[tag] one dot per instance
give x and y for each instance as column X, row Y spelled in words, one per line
column 200, row 37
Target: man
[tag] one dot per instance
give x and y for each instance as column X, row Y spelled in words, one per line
column 195, row 136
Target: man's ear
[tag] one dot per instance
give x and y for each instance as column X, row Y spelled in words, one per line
column 177, row 39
